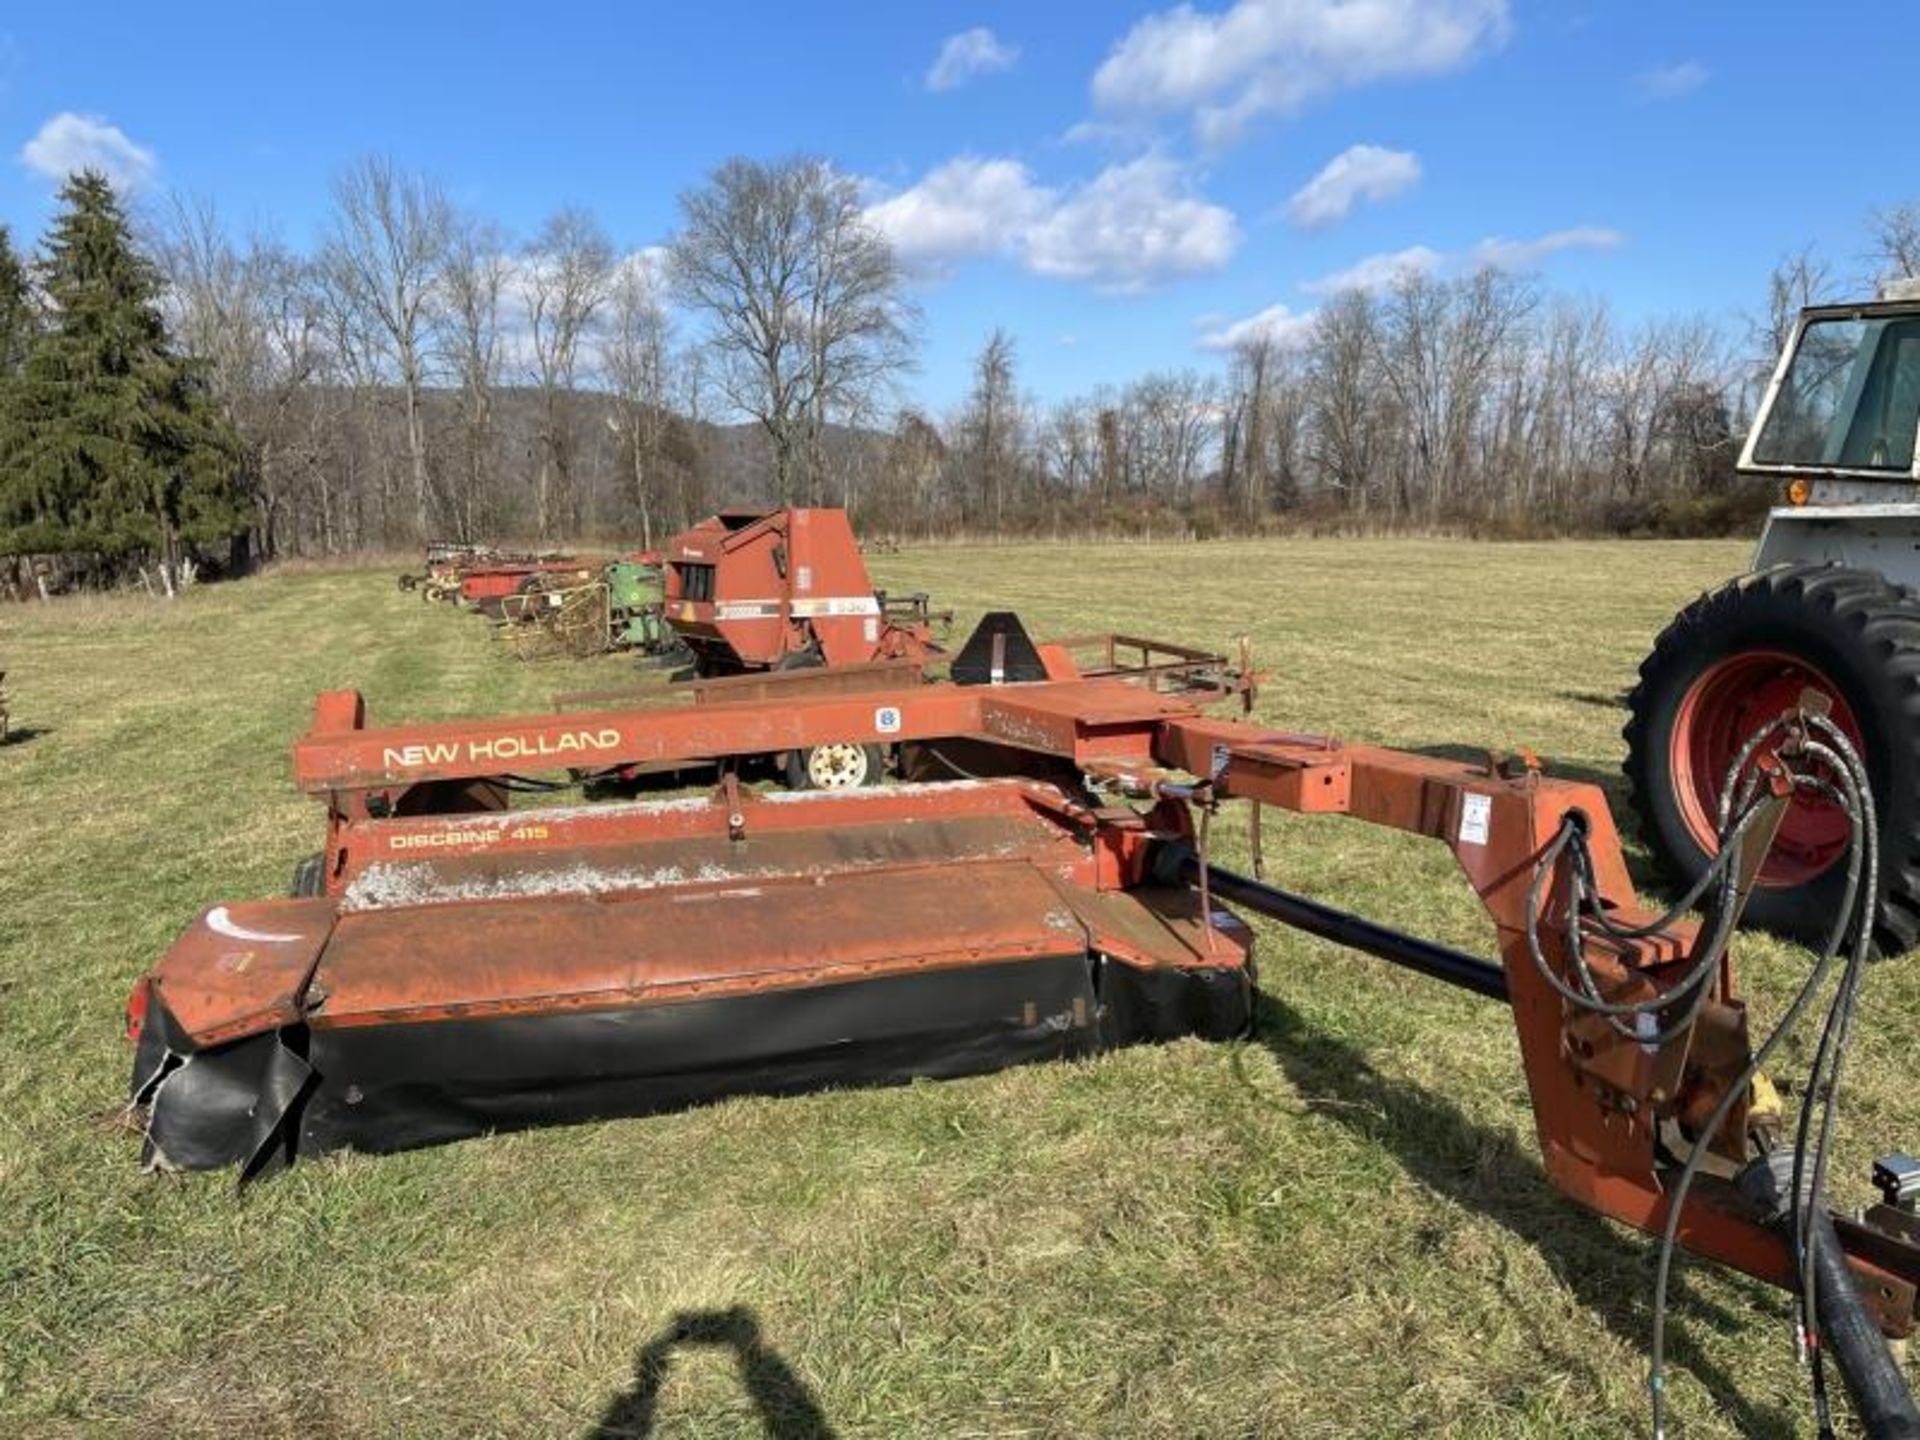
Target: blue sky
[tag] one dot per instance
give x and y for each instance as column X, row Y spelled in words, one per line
column 1114, row 184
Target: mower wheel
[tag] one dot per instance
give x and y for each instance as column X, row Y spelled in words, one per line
column 1740, row 656
column 842, row 765
column 309, row 878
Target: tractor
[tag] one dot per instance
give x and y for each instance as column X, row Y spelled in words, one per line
column 1827, row 617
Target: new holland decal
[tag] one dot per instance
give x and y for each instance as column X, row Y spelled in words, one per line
column 500, row 747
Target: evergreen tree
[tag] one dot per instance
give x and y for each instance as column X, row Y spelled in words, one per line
column 109, row 442
column 17, row 318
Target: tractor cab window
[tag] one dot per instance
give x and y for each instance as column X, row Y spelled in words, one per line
column 1850, row 397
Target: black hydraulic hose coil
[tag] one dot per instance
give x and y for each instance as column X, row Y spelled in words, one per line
column 1874, row 1379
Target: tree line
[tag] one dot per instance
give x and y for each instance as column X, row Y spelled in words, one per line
column 417, row 373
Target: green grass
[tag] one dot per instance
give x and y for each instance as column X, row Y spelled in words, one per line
column 1339, row 1228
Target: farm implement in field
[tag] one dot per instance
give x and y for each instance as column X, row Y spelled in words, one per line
column 481, row 575
column 616, row 607
column 740, row 592
column 457, row 965
column 786, row 589
column 553, row 604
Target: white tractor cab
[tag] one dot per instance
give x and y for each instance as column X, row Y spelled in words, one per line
column 1832, row 604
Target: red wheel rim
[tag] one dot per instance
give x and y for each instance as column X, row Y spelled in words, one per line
column 1726, row 703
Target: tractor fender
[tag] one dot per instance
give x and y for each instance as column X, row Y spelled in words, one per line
column 1883, row 538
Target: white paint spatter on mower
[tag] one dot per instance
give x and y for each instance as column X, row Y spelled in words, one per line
column 500, row 820
column 222, row 923
column 393, row 885
column 387, row 885
column 508, row 819
column 876, row 792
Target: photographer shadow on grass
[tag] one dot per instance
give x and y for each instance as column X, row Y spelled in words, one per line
column 1489, row 1172
column 787, row 1408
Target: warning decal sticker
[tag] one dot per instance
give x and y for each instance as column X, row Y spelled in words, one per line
column 1475, row 811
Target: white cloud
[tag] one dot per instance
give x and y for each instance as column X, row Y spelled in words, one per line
column 1378, row 272
column 648, row 265
column 1381, row 272
column 968, row 206
column 1360, row 172
column 1261, row 56
column 1131, row 226
column 1670, row 82
column 1504, row 254
column 970, row 53
column 69, row 143
column 1132, row 136
column 1282, row 327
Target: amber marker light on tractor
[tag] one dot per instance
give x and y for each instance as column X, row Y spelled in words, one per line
column 1799, row 490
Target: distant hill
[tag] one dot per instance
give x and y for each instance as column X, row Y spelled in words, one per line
column 734, row 460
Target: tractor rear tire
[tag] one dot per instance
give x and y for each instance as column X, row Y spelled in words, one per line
column 1737, row 657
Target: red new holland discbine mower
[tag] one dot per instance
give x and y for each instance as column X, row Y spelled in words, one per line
column 461, row 966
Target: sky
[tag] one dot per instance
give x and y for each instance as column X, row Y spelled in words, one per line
column 1122, row 187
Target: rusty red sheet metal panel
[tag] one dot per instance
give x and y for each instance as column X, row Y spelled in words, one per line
column 1159, row 926
column 241, row 968
column 853, row 678
column 684, row 943
column 349, row 759
column 1307, row 773
column 1075, row 719
column 1078, row 719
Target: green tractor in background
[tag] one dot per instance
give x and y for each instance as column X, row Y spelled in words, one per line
column 634, row 617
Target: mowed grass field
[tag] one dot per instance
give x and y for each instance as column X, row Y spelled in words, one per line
column 1336, row 1228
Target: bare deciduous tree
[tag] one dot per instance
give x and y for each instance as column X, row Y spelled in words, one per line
column 250, row 312
column 1894, row 236
column 802, row 299
column 565, row 274
column 989, row 440
column 1347, row 423
column 474, row 284
column 635, row 357
column 382, row 259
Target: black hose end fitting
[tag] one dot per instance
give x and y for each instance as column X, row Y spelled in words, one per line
column 1766, row 1185
column 1173, row 862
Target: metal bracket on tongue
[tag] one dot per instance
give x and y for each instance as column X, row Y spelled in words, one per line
column 1759, row 839
column 728, row 793
column 1779, row 783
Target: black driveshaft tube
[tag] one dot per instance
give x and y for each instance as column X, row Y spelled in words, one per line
column 1456, row 967
column 1873, row 1376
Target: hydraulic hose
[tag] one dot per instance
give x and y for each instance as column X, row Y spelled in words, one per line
column 1881, row 1398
